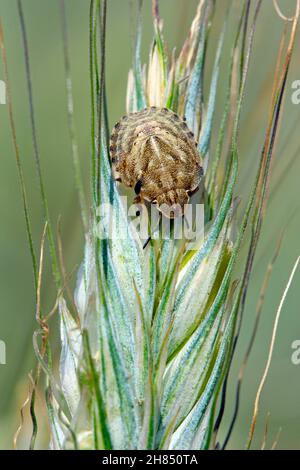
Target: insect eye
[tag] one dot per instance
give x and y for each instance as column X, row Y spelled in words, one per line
column 138, row 186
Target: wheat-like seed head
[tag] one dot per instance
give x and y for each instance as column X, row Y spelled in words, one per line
column 148, row 346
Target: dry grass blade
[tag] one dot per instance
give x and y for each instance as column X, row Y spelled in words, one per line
column 45, row 332
column 52, row 249
column 260, row 196
column 71, row 119
column 65, row 276
column 252, row 340
column 280, row 14
column 271, row 349
column 101, row 94
column 18, row 159
column 266, row 432
column 275, row 443
column 27, row 400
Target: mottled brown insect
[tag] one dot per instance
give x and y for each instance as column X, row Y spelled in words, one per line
column 154, row 152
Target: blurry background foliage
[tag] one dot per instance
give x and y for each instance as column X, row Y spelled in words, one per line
column 17, row 319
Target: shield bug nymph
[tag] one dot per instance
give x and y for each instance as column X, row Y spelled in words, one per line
column 154, row 152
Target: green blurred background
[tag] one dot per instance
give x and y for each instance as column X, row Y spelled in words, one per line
column 281, row 395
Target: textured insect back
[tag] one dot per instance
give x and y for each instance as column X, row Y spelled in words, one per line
column 154, row 152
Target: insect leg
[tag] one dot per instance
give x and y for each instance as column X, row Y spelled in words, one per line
column 150, row 236
column 190, row 193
